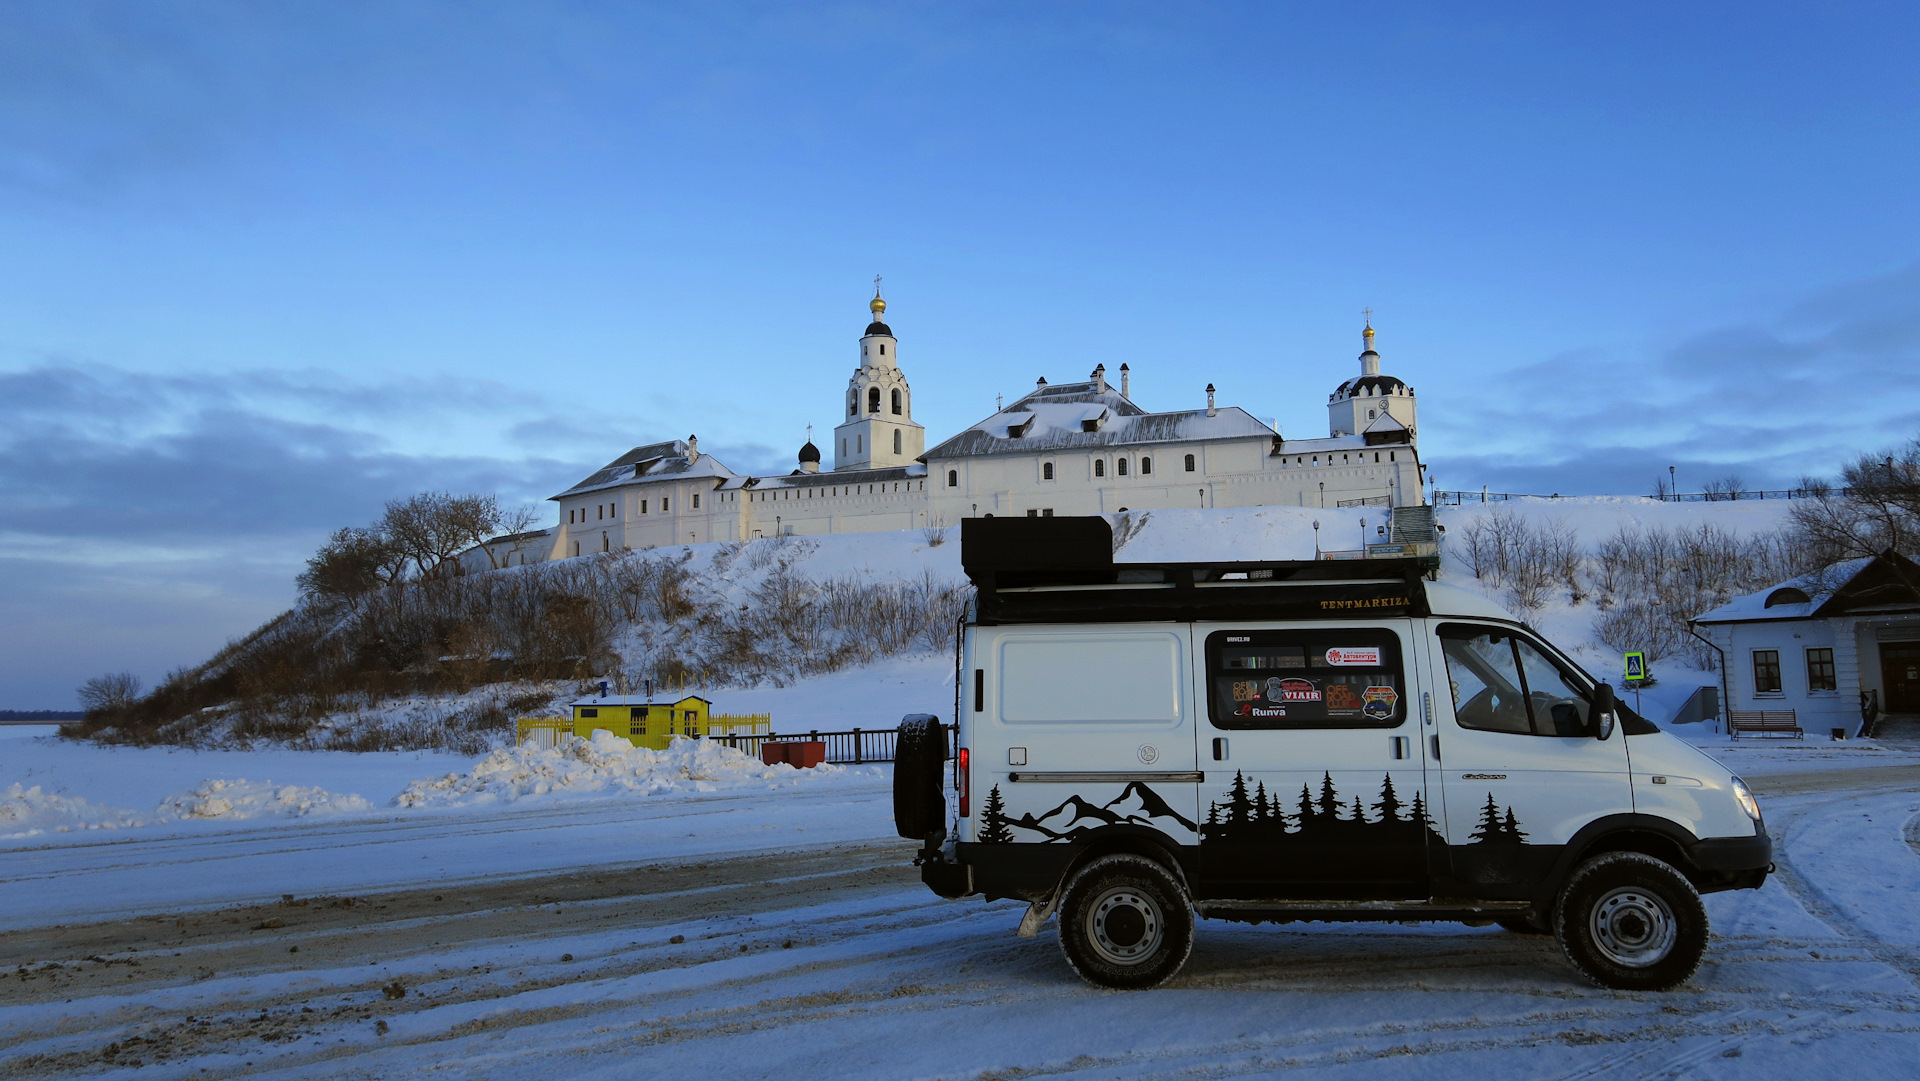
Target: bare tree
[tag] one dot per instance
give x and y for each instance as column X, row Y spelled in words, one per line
column 1876, row 509
column 353, row 562
column 110, row 693
column 1728, row 487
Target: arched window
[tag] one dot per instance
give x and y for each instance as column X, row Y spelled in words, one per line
column 896, row 404
column 853, row 405
column 896, row 434
column 1046, row 470
column 873, row 399
column 1146, row 467
column 953, row 478
column 1120, row 467
column 1189, row 463
column 1099, row 468
column 883, row 349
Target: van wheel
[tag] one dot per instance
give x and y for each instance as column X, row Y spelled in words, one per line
column 1632, row 923
column 1126, row 923
column 919, row 755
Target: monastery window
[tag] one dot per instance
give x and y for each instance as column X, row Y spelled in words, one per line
column 696, row 501
column 663, row 504
column 1820, row 669
column 1033, row 512
column 1046, row 470
column 1369, row 414
column 576, row 547
column 853, row 410
column 896, row 404
column 1376, row 455
column 1099, row 468
column 1120, row 467
column 643, row 506
column 896, row 431
column 1390, row 456
column 883, row 349
column 603, row 542
column 1046, row 512
column 599, row 511
column 953, row 478
column 859, row 441
column 1189, row 463
column 1146, row 467
column 873, row 399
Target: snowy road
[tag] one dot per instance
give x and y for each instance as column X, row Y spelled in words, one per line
column 542, row 942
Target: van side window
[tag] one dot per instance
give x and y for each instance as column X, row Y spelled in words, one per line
column 1503, row 683
column 1334, row 678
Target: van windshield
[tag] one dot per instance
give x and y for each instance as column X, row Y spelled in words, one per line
column 1335, row 678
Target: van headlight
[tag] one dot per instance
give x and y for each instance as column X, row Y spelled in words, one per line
column 1745, row 795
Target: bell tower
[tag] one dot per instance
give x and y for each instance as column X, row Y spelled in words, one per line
column 1372, row 402
column 877, row 429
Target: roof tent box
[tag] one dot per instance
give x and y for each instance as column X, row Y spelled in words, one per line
column 1061, row 570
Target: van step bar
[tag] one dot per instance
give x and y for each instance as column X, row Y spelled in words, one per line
column 1339, row 910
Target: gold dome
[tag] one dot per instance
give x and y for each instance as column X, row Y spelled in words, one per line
column 1368, row 332
column 877, row 306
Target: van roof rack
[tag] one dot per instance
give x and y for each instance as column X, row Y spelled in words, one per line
column 1061, row 570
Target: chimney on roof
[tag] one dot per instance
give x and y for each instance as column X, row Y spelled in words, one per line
column 693, row 449
column 1099, row 378
column 1123, row 382
column 1210, row 410
column 1040, row 382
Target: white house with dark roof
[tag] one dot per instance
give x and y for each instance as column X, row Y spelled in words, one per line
column 1815, row 644
column 1068, row 448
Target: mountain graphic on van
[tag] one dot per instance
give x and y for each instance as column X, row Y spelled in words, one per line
column 1135, row 805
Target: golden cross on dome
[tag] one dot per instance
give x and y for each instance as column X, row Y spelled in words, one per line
column 876, row 285
column 1367, row 313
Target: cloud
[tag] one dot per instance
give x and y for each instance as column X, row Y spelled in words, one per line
column 1832, row 376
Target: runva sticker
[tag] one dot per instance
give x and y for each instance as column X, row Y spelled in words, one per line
column 1354, row 656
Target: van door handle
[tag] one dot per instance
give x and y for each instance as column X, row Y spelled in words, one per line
column 1219, row 748
column 1436, row 748
column 1402, row 748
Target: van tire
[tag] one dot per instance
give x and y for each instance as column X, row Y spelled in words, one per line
column 1126, row 923
column 919, row 753
column 1630, row 922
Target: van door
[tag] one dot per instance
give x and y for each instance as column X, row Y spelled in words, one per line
column 1079, row 729
column 1314, row 785
column 1520, row 772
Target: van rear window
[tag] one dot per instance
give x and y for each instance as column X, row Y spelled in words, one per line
column 1336, row 678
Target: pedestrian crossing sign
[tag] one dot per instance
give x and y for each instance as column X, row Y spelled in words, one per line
column 1636, row 666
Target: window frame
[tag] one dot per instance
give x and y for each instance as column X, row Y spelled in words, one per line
column 1570, row 674
column 1779, row 685
column 1315, row 639
column 1190, row 463
column 1829, row 678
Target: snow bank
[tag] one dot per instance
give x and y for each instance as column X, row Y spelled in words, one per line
column 256, row 799
column 28, row 811
column 608, row 765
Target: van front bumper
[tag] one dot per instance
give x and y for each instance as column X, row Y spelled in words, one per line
column 1732, row 863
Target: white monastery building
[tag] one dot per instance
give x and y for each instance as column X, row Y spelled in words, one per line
column 1065, row 448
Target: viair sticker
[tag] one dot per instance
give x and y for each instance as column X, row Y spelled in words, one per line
column 1291, row 690
column 1354, row 656
column 1379, row 702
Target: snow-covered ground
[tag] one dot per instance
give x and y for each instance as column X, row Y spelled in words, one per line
column 771, row 929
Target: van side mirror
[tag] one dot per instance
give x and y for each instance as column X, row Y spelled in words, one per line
column 1600, row 715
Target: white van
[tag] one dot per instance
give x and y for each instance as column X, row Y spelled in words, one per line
column 1326, row 740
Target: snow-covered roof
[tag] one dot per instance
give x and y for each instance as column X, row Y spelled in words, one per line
column 840, row 477
column 1386, row 422
column 655, row 461
column 1818, row 588
column 1082, row 415
column 634, row 700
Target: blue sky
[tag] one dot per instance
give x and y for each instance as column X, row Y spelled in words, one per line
column 264, row 266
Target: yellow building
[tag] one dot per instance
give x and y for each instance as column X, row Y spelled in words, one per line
column 646, row 723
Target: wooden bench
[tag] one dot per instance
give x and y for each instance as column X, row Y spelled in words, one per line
column 1764, row 722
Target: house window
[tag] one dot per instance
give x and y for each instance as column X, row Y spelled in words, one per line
column 696, row 501
column 953, row 478
column 1189, row 463
column 1046, row 470
column 1120, row 467
column 1820, row 669
column 1099, row 468
column 1146, row 467
column 1766, row 671
column 896, row 433
column 896, row 396
column 873, row 399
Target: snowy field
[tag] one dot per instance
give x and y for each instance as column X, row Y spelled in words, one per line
column 772, row 927
column 600, row 912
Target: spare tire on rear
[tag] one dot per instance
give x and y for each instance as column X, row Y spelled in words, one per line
column 919, row 755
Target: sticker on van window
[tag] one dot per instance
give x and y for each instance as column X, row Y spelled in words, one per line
column 1292, row 690
column 1246, row 690
column 1379, row 702
column 1354, row 656
column 1251, row 710
column 1341, row 698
